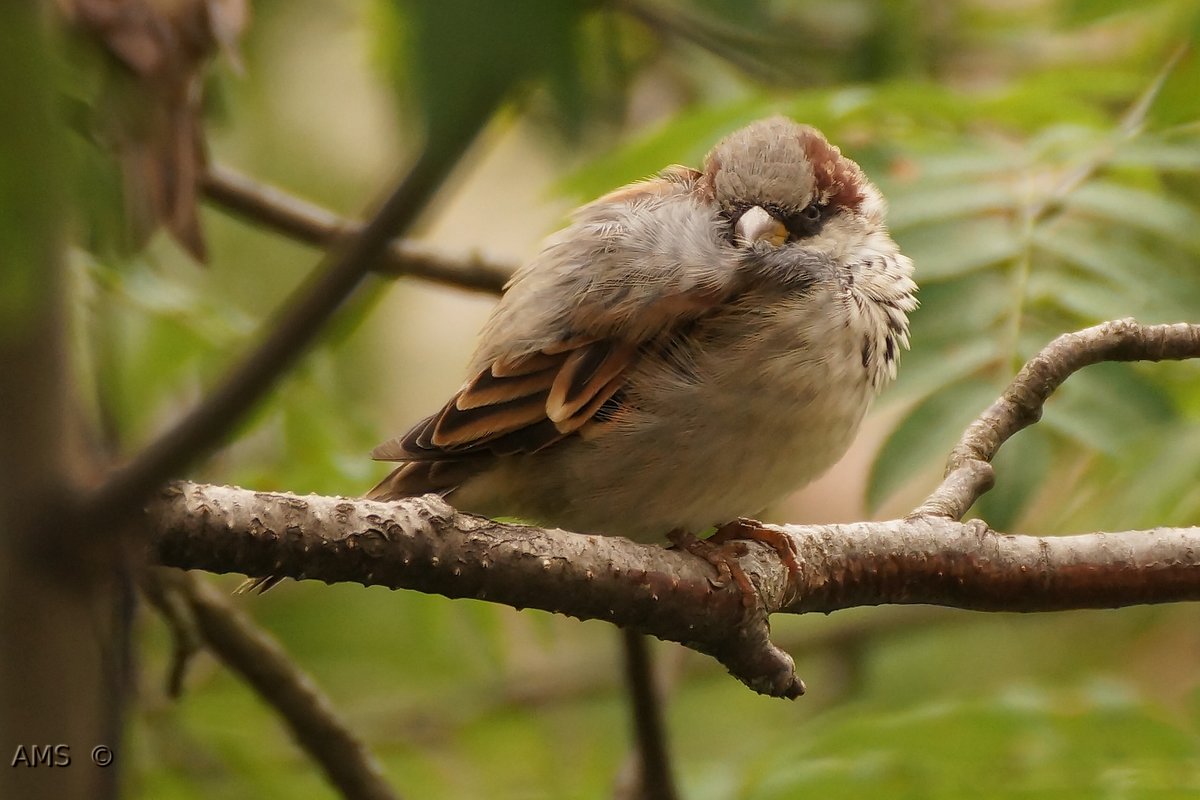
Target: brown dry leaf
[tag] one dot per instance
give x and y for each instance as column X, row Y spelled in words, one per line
column 150, row 114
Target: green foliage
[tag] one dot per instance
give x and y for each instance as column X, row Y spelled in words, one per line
column 1100, row 740
column 459, row 57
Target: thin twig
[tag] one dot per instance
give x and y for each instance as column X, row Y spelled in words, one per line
column 258, row 658
column 185, row 636
column 286, row 335
column 969, row 471
column 269, row 206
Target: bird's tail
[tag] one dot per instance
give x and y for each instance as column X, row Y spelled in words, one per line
column 414, row 478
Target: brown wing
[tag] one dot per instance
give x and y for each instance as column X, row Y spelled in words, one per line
column 515, row 406
column 519, row 405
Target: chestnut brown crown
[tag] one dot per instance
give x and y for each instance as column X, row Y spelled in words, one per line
column 778, row 162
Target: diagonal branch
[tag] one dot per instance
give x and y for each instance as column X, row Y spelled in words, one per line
column 262, row 662
column 969, row 471
column 287, row 334
column 271, row 207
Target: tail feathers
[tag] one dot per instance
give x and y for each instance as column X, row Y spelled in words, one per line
column 421, row 477
column 259, row 585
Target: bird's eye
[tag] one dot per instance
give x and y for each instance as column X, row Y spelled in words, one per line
column 806, row 222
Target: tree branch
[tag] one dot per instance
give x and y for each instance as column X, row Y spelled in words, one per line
column 271, row 207
column 423, row 544
column 259, row 659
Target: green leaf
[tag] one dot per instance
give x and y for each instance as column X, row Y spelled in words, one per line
column 961, row 161
column 951, row 250
column 1085, row 12
column 952, row 313
column 1097, row 739
column 1178, row 101
column 928, row 369
column 1128, row 206
column 1161, row 152
column 1140, row 274
column 1153, row 483
column 1086, row 247
column 937, row 204
column 1021, row 467
column 463, row 58
column 1089, row 300
column 1109, row 407
column 924, row 437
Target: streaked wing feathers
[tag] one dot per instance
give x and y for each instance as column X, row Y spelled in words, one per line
column 519, row 405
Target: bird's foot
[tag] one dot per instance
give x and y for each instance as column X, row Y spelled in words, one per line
column 742, row 529
column 723, row 555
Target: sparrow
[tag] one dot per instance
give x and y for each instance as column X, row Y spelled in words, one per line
column 690, row 349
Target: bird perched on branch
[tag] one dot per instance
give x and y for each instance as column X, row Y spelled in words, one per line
column 690, row 349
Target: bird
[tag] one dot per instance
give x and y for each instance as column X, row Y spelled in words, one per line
column 688, row 350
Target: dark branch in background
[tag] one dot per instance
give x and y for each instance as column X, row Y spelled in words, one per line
column 259, row 659
column 927, row 558
column 656, row 777
column 287, row 334
column 273, row 208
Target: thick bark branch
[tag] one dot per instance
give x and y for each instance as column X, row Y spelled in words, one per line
column 423, row 544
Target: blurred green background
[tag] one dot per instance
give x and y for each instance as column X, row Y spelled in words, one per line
column 1041, row 159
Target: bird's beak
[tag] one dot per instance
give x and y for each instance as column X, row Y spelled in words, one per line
column 756, row 225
